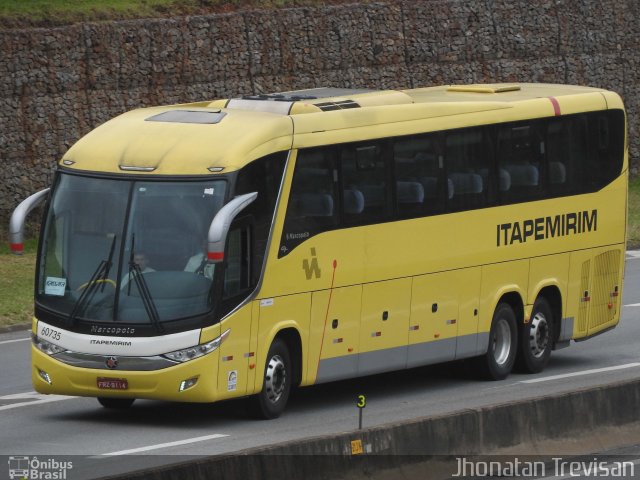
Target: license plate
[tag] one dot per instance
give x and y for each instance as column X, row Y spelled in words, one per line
column 112, row 383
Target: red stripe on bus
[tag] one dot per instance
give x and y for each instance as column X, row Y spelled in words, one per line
column 215, row 255
column 556, row 106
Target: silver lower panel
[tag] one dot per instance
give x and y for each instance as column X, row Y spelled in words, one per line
column 398, row 358
column 86, row 360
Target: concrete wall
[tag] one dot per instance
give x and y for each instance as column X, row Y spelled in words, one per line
column 57, row 84
column 574, row 423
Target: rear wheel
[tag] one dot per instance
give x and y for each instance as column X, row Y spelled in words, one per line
column 536, row 339
column 272, row 400
column 116, row 403
column 498, row 362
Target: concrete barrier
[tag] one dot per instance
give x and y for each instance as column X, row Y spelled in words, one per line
column 521, row 426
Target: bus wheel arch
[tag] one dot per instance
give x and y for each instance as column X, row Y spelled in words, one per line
column 553, row 295
column 514, row 300
column 498, row 361
column 282, row 371
column 539, row 334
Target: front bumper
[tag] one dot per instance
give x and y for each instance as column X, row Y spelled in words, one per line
column 161, row 384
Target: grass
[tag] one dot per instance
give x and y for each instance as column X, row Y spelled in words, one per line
column 25, row 13
column 16, row 284
column 17, row 272
column 633, row 231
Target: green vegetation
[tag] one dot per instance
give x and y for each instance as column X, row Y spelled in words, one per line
column 16, row 284
column 56, row 12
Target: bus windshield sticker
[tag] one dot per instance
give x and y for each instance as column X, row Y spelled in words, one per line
column 208, row 191
column 55, row 286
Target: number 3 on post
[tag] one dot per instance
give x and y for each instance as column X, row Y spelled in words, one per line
column 361, row 403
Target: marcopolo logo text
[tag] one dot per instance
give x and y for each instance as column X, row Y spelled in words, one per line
column 112, row 330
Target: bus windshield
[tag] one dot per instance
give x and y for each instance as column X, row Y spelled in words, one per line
column 128, row 251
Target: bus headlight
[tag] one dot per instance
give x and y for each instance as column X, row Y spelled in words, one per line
column 197, row 351
column 46, row 347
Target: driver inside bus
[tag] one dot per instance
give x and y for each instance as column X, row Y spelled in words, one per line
column 142, row 261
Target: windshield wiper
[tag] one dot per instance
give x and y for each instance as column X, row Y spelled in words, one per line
column 145, row 295
column 100, row 274
column 143, row 288
column 109, row 263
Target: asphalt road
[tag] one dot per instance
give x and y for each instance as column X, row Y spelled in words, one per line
column 157, row 432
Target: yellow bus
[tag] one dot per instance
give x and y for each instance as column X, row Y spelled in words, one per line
column 245, row 246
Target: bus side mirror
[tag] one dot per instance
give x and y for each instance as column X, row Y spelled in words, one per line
column 18, row 217
column 220, row 225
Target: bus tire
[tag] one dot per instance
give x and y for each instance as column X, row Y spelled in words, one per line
column 498, row 362
column 276, row 385
column 536, row 338
column 116, row 403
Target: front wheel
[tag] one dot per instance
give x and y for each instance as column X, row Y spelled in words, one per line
column 498, row 362
column 536, row 339
column 116, row 403
column 271, row 401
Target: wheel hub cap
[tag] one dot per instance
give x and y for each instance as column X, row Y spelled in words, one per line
column 502, row 342
column 275, row 378
column 538, row 335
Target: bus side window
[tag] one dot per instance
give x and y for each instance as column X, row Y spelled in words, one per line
column 263, row 176
column 557, row 159
column 520, row 163
column 313, row 201
column 365, row 181
column 237, row 275
column 419, row 174
column 469, row 169
column 567, row 156
column 606, row 147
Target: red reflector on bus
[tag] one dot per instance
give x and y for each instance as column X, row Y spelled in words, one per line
column 215, row 255
column 227, row 359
